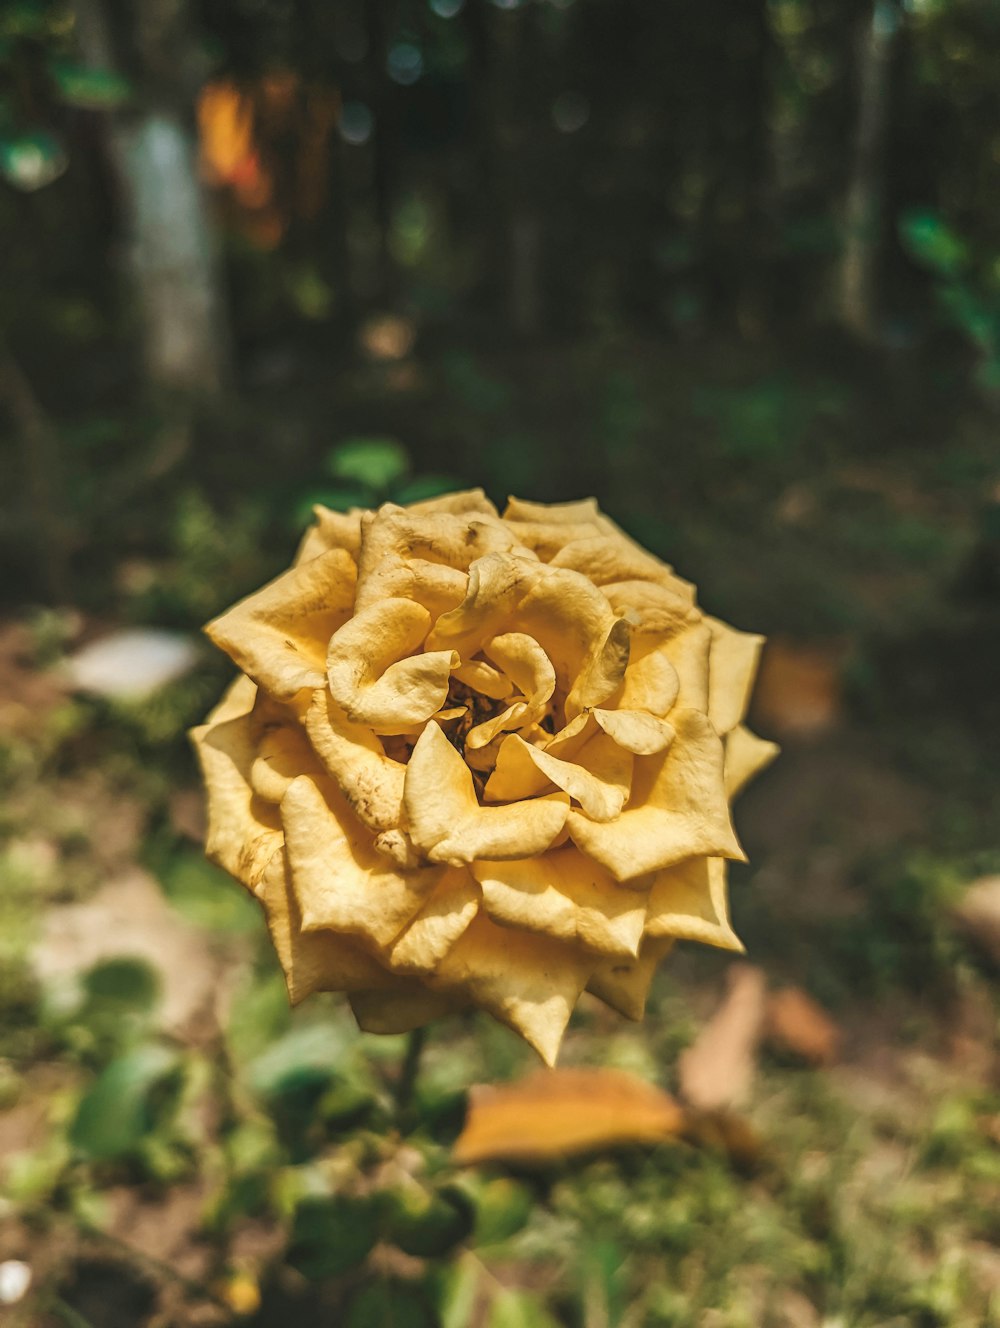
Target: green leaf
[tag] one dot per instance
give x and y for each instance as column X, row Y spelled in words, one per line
column 344, row 1104
column 259, row 1016
column 330, row 1236
column 503, row 1207
column 131, row 983
column 90, row 89
column 309, row 1051
column 519, row 1309
column 207, row 896
column 31, row 161
column 374, row 462
column 117, row 1113
column 310, row 294
column 389, row 1305
column 458, row 1288
column 426, row 1224
column 926, row 237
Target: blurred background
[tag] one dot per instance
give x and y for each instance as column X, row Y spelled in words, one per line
column 734, row 268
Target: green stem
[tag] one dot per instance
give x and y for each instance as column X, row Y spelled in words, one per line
column 409, row 1069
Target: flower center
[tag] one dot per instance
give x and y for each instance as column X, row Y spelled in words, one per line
column 478, row 709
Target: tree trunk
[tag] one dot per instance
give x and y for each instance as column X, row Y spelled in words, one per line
column 857, row 275
column 174, row 269
column 173, row 266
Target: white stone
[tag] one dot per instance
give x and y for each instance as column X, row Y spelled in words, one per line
column 15, row 1278
column 129, row 665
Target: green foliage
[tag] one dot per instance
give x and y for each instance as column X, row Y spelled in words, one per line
column 90, row 89
column 519, row 1309
column 373, row 463
column 368, row 472
column 967, row 286
column 426, row 1223
column 503, row 1207
column 905, row 937
column 389, row 1304
column 332, row 1235
column 121, row 1110
column 206, row 896
column 771, row 422
column 932, row 243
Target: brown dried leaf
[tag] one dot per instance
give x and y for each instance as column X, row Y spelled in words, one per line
column 799, row 690
column 796, row 1024
column 717, row 1070
column 552, row 1114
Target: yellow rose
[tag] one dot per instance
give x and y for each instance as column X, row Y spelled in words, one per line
column 477, row 760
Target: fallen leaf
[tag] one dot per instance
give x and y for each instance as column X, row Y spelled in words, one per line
column 795, row 1023
column 726, row 1132
column 798, row 688
column 717, row 1070
column 553, row 1113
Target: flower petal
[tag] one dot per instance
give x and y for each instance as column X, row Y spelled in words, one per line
column 548, row 527
column 688, row 902
column 449, row 910
column 369, row 676
column 678, row 808
column 464, row 502
column 599, row 780
column 370, row 781
column 636, row 731
column 238, row 699
column 282, row 751
column 564, row 612
column 605, row 560
column 688, row 652
column 746, row 756
column 243, row 831
column 624, row 983
column 732, row 667
column 279, row 635
column 604, row 672
column 484, row 678
column 566, row 896
column 527, row 981
column 651, row 682
column 524, row 661
column 560, row 514
column 340, row 881
column 445, row 819
column 497, row 583
column 652, row 608
column 516, row 775
column 424, row 556
column 331, row 530
column 313, row 961
column 407, row 1006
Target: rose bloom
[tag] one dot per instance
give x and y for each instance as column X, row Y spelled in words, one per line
column 479, row 761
